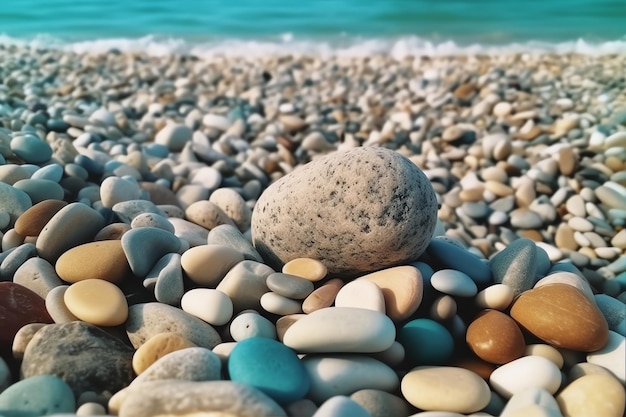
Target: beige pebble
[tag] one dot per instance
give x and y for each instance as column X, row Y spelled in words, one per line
column 440, row 388
column 361, row 294
column 612, row 356
column 585, row 368
column 97, row 302
column 206, row 265
column 443, row 308
column 207, row 304
column 23, row 337
column 207, row 214
column 402, row 287
column 245, row 284
column 322, row 297
column 523, row 373
column 564, row 237
column 547, row 352
column 498, row 189
column 103, row 260
column 497, row 297
column 593, row 395
column 285, row 322
column 280, row 305
column 91, row 409
column 233, row 204
column 156, row 347
column 307, row 268
column 580, row 224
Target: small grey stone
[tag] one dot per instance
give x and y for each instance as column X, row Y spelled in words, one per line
column 83, row 355
column 190, row 364
column 37, row 275
column 516, row 265
column 55, row 305
column 355, row 211
column 523, row 218
column 245, row 283
column 15, row 259
column 146, row 320
column 381, row 404
column 192, row 233
column 229, row 235
column 40, row 190
column 144, row 246
column 166, row 278
column 128, row 210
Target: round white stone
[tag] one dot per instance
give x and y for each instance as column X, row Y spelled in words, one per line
column 453, row 282
column 210, row 305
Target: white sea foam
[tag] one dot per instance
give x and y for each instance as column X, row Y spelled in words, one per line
column 289, row 44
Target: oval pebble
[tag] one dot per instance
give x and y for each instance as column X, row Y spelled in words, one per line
column 210, row 305
column 452, row 282
column 97, row 302
column 103, row 260
column 247, row 325
column 380, row 403
column 271, row 367
column 361, row 294
column 426, row 342
column 31, row 149
column 593, row 395
column 332, row 375
column 289, row 286
column 532, row 402
column 156, row 347
column 497, row 297
column 38, row 396
column 445, row 388
column 523, row 373
column 460, row 259
column 115, row 190
column 207, row 265
column 306, row 268
column 280, row 305
column 495, row 337
column 339, row 406
column 323, row 296
column 145, row 246
column 40, row 190
column 341, row 329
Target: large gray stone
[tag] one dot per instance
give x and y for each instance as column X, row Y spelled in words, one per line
column 356, row 211
column 81, row 354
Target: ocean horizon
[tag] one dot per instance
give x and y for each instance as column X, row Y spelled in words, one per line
column 246, row 27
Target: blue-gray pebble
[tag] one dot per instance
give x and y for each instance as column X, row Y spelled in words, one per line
column 37, row 396
column 31, row 149
column 460, row 259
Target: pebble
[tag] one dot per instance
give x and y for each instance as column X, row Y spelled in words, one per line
column 207, row 265
column 115, row 190
column 251, row 324
column 233, row 204
column 31, row 149
column 187, row 364
column 341, row 329
column 425, row 342
column 495, row 337
column 524, row 373
column 144, row 246
column 5, row 375
column 210, row 305
column 174, row 136
column 166, row 280
column 307, row 268
column 55, row 305
column 245, row 284
column 340, row 405
column 612, row 356
column 497, row 297
column 207, row 214
column 40, row 190
column 290, row 286
column 279, row 305
column 454, row 257
column 382, row 226
column 229, row 235
column 97, row 301
column 15, row 259
column 103, row 260
column 157, row 347
column 380, row 403
column 37, row 396
column 593, row 395
column 148, row 319
column 271, row 367
column 452, row 282
column 532, row 402
column 322, row 297
column 568, row 278
column 614, row 312
column 188, row 398
column 86, row 357
column 332, row 375
column 445, row 388
column 73, row 225
column 563, row 316
column 13, row 201
column 361, row 294
column 515, row 266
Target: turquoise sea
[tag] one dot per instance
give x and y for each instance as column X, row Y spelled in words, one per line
column 357, row 27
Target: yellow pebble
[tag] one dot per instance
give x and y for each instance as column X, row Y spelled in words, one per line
column 306, row 268
column 97, row 302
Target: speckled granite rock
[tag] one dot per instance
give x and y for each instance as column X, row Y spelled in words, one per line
column 83, row 355
column 356, row 211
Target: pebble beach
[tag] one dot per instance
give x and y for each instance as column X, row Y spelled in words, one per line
column 312, row 235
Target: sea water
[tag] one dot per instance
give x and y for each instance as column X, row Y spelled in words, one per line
column 245, row 27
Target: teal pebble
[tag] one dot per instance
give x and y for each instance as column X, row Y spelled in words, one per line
column 425, row 342
column 40, row 190
column 271, row 367
column 31, row 149
column 52, row 172
column 36, row 396
column 460, row 259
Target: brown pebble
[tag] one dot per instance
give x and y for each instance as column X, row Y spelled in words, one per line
column 495, row 337
column 323, row 296
column 33, row 220
column 100, row 260
column 562, row 316
column 156, row 347
column 564, row 237
column 567, row 161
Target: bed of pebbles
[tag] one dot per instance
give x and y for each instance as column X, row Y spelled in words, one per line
column 137, row 279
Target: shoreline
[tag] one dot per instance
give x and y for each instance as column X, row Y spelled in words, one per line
column 519, row 148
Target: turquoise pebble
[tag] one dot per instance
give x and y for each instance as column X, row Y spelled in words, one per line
column 52, row 172
column 36, row 396
column 144, row 246
column 425, row 342
column 271, row 367
column 460, row 259
column 40, row 190
column 31, row 149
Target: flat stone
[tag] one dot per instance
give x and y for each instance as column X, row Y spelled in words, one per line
column 271, row 367
column 190, row 232
column 515, row 266
column 511, row 378
column 379, row 226
column 15, row 259
column 495, row 337
column 144, row 246
column 13, row 201
column 40, row 190
column 277, row 304
column 84, row 356
column 453, row 282
column 149, row 319
column 157, row 347
column 188, row 364
column 72, row 225
column 37, row 396
column 207, row 265
column 245, row 284
column 103, row 260
column 210, row 305
column 289, row 286
column 188, row 398
column 445, row 388
column 97, row 302
column 308, row 268
column 229, row 235
column 563, row 316
column 593, row 395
